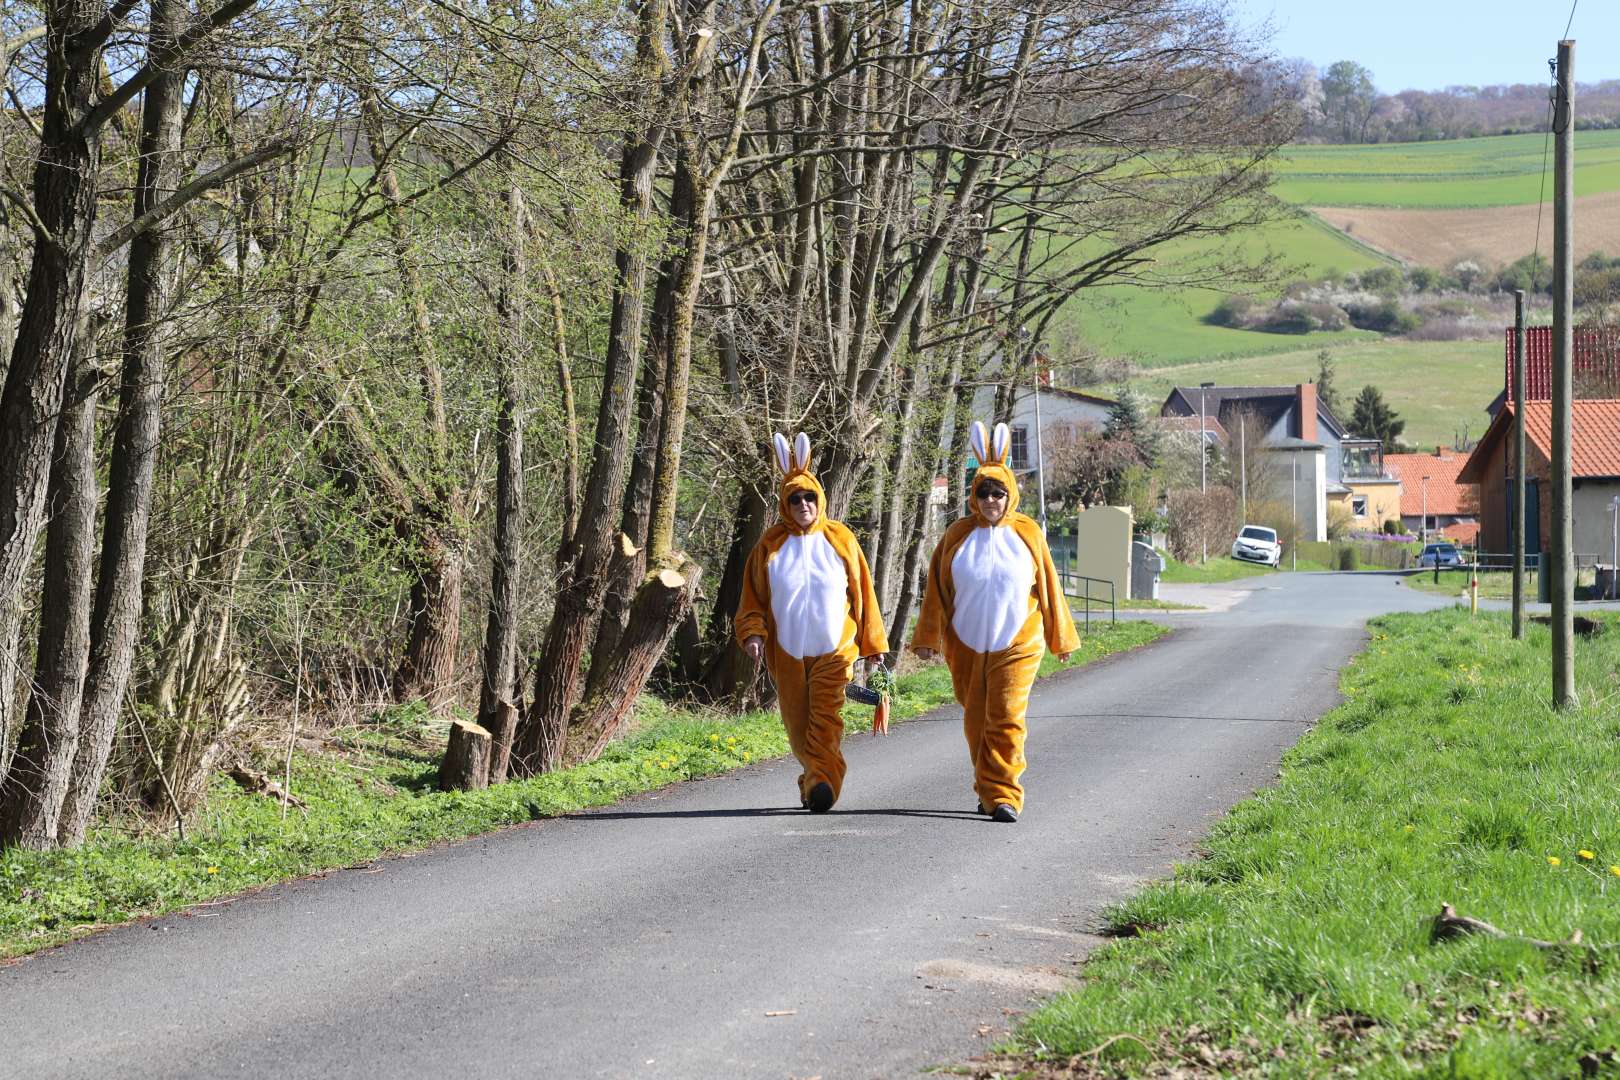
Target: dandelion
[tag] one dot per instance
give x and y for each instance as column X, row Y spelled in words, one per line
column 1411, row 828
column 1615, row 870
column 714, row 738
column 1587, row 855
column 731, row 740
column 663, row 764
column 213, row 869
column 746, row 755
column 1553, row 860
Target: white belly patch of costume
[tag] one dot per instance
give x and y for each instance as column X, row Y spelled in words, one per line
column 809, row 596
column 994, row 575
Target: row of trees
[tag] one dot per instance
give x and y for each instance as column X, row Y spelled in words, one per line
column 337, row 328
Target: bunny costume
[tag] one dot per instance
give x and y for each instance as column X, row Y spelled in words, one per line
column 993, row 604
column 808, row 593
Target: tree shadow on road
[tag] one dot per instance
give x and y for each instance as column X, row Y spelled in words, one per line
column 774, row 811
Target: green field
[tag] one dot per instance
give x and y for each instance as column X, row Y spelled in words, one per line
column 1502, row 170
column 1164, row 327
column 1436, row 386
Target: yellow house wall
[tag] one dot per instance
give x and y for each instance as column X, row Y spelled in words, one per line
column 1383, row 502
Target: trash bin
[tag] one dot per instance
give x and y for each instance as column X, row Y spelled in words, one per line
column 1146, row 566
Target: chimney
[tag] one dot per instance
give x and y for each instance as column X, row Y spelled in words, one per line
column 1438, row 450
column 1305, row 406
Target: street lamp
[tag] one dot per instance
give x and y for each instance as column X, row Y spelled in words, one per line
column 1423, row 525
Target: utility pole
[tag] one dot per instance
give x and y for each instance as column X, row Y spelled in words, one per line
column 1243, row 464
column 1203, row 478
column 1563, row 553
column 1518, row 465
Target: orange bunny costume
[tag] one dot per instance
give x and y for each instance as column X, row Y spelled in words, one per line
column 993, row 602
column 808, row 592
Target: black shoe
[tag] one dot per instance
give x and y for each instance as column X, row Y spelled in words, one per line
column 982, row 810
column 1004, row 814
column 820, row 799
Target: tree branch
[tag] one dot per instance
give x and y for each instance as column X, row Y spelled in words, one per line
column 180, row 196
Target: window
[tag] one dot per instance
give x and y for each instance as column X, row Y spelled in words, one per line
column 1358, row 505
column 1020, row 447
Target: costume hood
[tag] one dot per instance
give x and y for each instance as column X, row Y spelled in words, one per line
column 992, row 451
column 794, row 461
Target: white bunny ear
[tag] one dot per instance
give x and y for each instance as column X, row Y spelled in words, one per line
column 979, row 440
column 1001, row 443
column 783, row 461
column 801, row 451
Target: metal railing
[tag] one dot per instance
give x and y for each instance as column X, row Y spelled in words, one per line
column 1495, row 562
column 1085, row 595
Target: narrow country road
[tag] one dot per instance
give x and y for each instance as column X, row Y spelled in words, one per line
column 713, row 929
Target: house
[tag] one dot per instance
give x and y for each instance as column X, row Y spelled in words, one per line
column 1594, row 364
column 1433, row 499
column 1595, row 461
column 1366, row 494
column 1291, row 420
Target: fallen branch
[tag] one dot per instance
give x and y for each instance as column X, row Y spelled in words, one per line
column 1448, row 924
column 256, row 783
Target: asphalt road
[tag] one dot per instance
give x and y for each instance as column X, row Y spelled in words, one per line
column 713, row 929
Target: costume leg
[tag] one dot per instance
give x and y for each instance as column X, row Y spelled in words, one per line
column 967, row 680
column 793, row 699
column 999, row 759
column 824, row 732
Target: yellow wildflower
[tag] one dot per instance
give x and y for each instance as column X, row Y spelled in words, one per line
column 213, row 869
column 1553, row 860
column 1615, row 870
column 1583, row 853
column 1411, row 828
column 731, row 740
column 714, row 738
column 746, row 755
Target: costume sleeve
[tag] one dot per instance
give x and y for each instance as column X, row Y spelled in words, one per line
column 753, row 609
column 870, row 636
column 939, row 598
column 1056, row 619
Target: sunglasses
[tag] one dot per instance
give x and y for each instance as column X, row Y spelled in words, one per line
column 799, row 497
column 991, row 492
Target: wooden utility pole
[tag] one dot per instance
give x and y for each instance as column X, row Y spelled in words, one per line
column 1562, row 550
column 1518, row 464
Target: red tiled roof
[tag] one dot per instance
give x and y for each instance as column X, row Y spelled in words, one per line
column 1595, row 427
column 1462, row 532
column 1445, row 493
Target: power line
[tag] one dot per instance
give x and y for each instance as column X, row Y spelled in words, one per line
column 1571, row 21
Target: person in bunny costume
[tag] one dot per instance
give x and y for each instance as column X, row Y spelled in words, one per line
column 993, row 603
column 809, row 610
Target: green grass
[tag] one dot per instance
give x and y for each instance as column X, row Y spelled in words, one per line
column 1502, row 170
column 1492, row 586
column 1437, row 387
column 1165, row 327
column 1299, row 945
column 1220, row 568
column 376, row 797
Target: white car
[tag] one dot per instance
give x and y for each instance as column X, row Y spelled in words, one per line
column 1256, row 543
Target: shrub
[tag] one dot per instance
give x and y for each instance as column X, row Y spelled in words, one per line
column 1395, row 525
column 1287, row 319
column 1232, row 311
column 1423, row 278
column 1385, row 316
column 1348, row 559
column 1339, row 520
column 1385, row 280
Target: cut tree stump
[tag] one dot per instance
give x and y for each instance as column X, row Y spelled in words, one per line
column 466, row 759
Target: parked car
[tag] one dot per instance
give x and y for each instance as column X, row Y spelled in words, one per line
column 1440, row 555
column 1256, row 543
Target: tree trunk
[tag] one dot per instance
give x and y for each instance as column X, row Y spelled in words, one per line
column 428, row 668
column 661, row 604
column 64, row 201
column 501, row 637
column 542, row 741
column 135, row 443
column 730, row 675
column 31, row 796
column 565, row 387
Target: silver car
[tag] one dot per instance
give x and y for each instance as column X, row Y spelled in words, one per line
column 1440, row 555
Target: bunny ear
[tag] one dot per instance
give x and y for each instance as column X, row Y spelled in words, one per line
column 801, row 451
column 780, row 443
column 1001, row 443
column 978, row 439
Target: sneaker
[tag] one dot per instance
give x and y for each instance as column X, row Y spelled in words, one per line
column 1004, row 814
column 820, row 799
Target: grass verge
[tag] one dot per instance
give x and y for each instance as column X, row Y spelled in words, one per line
column 1300, row 945
column 371, row 794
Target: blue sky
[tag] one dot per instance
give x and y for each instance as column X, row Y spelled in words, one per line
column 1430, row 44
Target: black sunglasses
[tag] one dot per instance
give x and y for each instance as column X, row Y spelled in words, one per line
column 988, row 492
column 802, row 497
